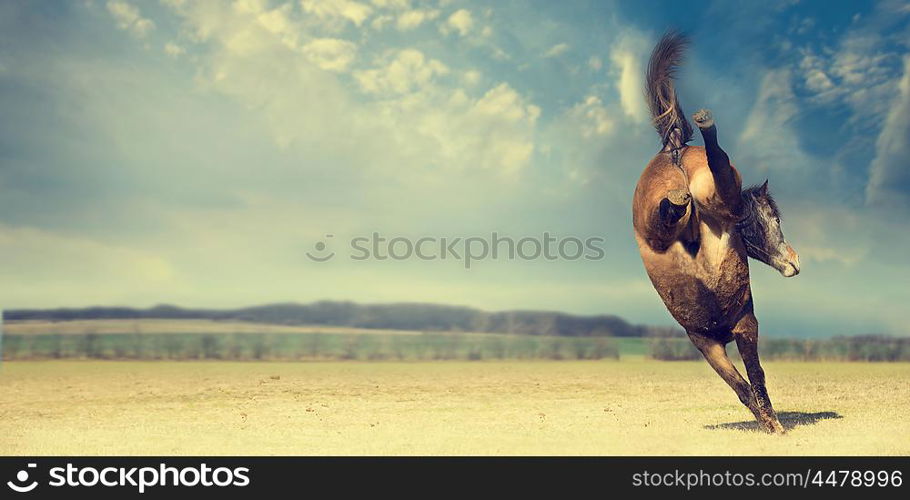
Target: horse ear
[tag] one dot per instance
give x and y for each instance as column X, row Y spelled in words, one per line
column 764, row 188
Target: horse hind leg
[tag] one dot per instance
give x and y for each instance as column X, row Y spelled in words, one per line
column 715, row 353
column 746, row 334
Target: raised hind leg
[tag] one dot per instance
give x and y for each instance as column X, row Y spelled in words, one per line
column 715, row 353
column 662, row 204
column 746, row 334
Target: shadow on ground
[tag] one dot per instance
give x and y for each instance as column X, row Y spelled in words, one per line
column 789, row 419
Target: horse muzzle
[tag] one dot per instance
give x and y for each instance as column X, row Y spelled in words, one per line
column 790, row 265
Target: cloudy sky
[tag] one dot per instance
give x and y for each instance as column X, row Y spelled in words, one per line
column 193, row 152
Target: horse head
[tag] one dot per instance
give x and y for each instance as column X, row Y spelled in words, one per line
column 761, row 232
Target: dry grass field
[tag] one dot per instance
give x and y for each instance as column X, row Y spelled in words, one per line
column 632, row 407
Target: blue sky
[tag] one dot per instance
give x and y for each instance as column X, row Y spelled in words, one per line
column 193, row 152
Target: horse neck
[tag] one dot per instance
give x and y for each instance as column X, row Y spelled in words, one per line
column 748, row 228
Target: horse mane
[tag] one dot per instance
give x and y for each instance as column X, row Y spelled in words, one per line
column 758, row 191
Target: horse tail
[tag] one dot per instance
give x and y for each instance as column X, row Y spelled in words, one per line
column 666, row 113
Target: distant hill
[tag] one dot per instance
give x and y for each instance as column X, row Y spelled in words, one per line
column 402, row 316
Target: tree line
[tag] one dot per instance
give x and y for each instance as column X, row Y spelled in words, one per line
column 402, row 316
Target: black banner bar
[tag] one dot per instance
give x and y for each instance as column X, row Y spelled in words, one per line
column 243, row 477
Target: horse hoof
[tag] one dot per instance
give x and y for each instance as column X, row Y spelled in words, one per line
column 703, row 118
column 679, row 197
column 774, row 427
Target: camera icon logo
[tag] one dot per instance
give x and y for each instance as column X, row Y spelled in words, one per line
column 22, row 477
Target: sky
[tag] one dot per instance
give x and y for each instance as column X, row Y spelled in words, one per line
column 194, row 153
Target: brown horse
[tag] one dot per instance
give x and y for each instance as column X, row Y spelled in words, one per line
column 695, row 228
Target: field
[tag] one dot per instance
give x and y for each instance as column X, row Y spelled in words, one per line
column 170, row 339
column 633, row 406
column 151, row 339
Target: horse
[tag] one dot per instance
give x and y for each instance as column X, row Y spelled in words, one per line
column 696, row 227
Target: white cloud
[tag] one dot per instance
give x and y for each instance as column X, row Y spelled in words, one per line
column 249, row 58
column 471, row 77
column 436, row 126
column 330, row 54
column 392, row 4
column 818, row 81
column 411, row 19
column 504, row 102
column 335, row 11
column 244, row 6
column 407, row 71
column 278, row 21
column 866, row 86
column 556, row 50
column 129, row 18
column 770, row 123
column 576, row 141
column 774, row 107
column 495, row 131
column 174, row 50
column 592, row 117
column 889, row 177
column 627, row 55
column 460, row 21
column 858, row 59
column 409, row 116
column 858, row 70
column 380, row 22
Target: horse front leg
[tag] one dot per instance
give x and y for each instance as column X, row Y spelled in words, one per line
column 746, row 334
